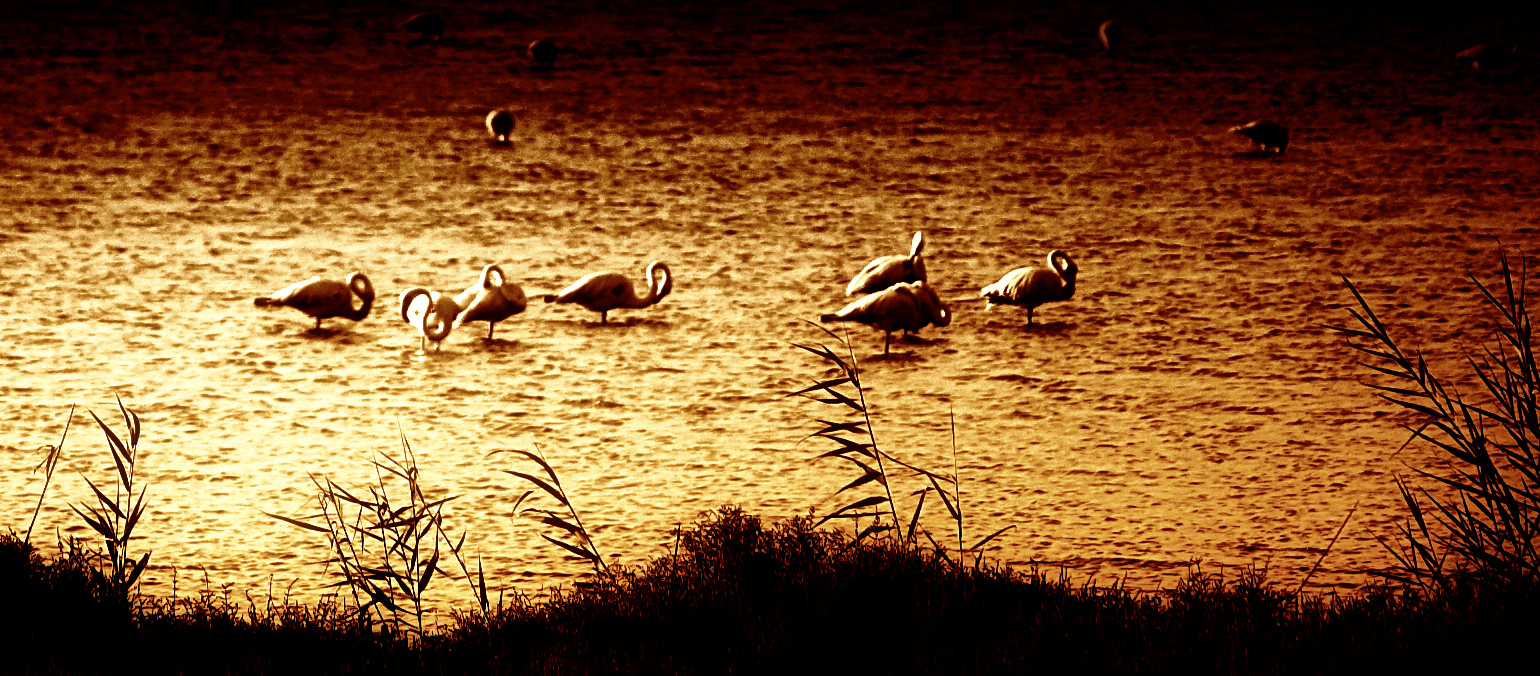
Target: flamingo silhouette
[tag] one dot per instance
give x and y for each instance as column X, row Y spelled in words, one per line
column 1030, row 287
column 434, row 316
column 500, row 125
column 889, row 270
column 909, row 306
column 543, row 53
column 325, row 298
column 1267, row 134
column 426, row 26
column 1111, row 34
column 605, row 291
column 489, row 301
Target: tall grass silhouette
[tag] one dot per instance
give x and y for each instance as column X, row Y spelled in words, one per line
column 856, row 443
column 114, row 518
column 387, row 546
column 1491, row 523
column 581, row 543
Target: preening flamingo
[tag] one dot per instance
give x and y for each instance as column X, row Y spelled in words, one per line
column 889, row 270
column 325, row 298
column 433, row 316
column 605, row 291
column 907, row 306
column 1030, row 287
column 491, row 299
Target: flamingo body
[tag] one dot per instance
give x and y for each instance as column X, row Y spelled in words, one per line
column 491, row 299
column 906, row 306
column 543, row 53
column 500, row 125
column 889, row 270
column 433, row 316
column 428, row 26
column 1270, row 136
column 325, row 298
column 604, row 291
column 1111, row 34
column 1030, row 287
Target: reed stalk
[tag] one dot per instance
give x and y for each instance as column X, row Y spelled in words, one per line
column 114, row 518
column 1491, row 523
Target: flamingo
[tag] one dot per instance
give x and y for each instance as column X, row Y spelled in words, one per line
column 1030, row 287
column 543, row 52
column 489, row 301
column 1269, row 135
column 325, row 298
column 428, row 26
column 1111, row 34
column 909, row 306
column 433, row 317
column 1485, row 58
column 889, row 270
column 500, row 124
column 605, row 291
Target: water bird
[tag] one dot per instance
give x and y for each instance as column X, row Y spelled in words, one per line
column 543, row 53
column 491, row 299
column 604, row 291
column 1030, row 287
column 1486, row 58
column 427, row 26
column 906, row 306
column 1270, row 136
column 325, row 298
column 500, row 125
column 1111, row 34
column 889, row 270
column 433, row 316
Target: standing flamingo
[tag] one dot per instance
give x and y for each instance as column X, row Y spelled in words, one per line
column 500, row 125
column 908, row 306
column 605, row 291
column 1030, row 287
column 490, row 301
column 434, row 316
column 325, row 298
column 889, row 270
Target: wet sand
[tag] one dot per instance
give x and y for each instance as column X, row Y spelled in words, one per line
column 165, row 166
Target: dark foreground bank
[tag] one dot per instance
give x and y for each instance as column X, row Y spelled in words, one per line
column 742, row 596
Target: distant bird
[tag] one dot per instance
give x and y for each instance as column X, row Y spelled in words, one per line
column 1486, row 58
column 500, row 124
column 909, row 306
column 604, row 291
column 1030, row 287
column 543, row 52
column 426, row 26
column 889, row 270
column 491, row 299
column 326, row 298
column 433, row 315
column 1270, row 136
column 1111, row 34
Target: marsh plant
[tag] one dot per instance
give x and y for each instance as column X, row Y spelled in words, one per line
column 387, row 546
column 114, row 517
column 856, row 443
column 578, row 542
column 1491, row 517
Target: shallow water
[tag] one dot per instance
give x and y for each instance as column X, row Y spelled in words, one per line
column 1187, row 405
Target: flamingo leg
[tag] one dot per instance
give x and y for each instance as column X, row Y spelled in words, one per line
column 491, row 326
column 604, row 317
column 886, row 339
